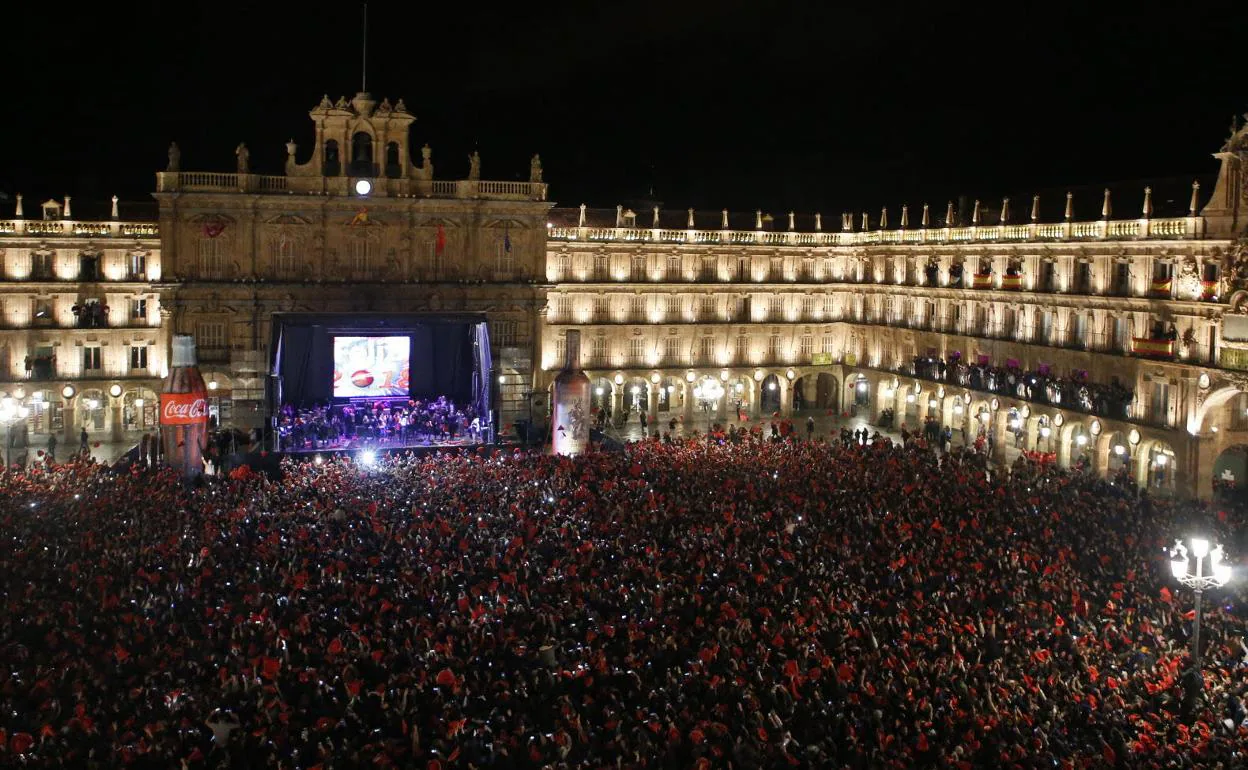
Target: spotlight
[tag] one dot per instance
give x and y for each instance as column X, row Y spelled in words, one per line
column 368, row 458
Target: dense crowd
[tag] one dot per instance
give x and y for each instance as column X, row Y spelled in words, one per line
column 389, row 422
column 1043, row 386
column 748, row 604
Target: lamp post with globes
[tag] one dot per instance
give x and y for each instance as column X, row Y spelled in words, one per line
column 1198, row 575
column 707, row 394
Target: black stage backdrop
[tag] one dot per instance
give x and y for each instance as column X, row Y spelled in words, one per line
column 446, row 356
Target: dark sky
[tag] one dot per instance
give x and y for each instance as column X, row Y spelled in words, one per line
column 714, row 104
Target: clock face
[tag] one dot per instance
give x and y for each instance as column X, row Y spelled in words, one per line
column 1203, row 381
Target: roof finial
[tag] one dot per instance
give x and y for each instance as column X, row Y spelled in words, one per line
column 580, row 218
column 619, row 215
column 792, row 227
column 1035, row 207
column 114, row 212
column 866, row 223
column 818, row 221
column 927, row 220
column 723, row 219
column 67, row 213
column 949, row 215
column 1105, row 205
column 1005, row 211
column 655, row 225
column 846, row 224
column 758, row 219
column 1148, row 202
column 1191, row 208
column 975, row 214
column 690, row 223
column 905, row 216
column 19, row 213
column 884, row 218
column 1070, row 205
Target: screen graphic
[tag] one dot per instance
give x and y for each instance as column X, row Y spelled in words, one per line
column 371, row 366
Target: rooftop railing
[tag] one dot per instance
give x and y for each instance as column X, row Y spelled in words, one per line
column 71, row 228
column 211, row 181
column 1128, row 229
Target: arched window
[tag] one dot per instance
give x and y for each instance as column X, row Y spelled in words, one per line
column 362, row 155
column 394, row 169
column 332, row 166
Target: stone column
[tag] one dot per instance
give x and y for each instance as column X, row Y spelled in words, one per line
column 652, row 405
column 69, row 441
column 115, row 434
column 786, row 397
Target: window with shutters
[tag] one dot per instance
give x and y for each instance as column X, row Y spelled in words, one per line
column 138, row 309
column 561, row 349
column 826, row 346
column 504, row 256
column 210, row 335
column 775, row 308
column 673, row 268
column 136, row 267
column 808, row 347
column 598, row 351
column 671, row 351
column 602, row 267
column 637, row 350
column 773, row 348
column 706, row 350
column 138, row 356
column 91, row 359
column 707, row 312
column 363, row 253
column 284, row 256
column 210, row 258
column 503, row 333
column 638, row 307
column 743, row 350
column 638, row 268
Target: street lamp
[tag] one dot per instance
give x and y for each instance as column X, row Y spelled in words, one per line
column 1191, row 572
column 707, row 394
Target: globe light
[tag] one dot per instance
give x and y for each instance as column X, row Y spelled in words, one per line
column 1161, row 459
column 1081, row 439
column 363, row 187
column 1200, row 547
column 68, row 391
column 598, row 390
column 138, row 402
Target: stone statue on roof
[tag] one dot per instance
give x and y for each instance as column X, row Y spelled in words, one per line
column 474, row 166
column 341, row 104
column 244, row 158
column 399, row 106
column 326, row 103
column 384, row 108
column 535, row 168
column 175, row 157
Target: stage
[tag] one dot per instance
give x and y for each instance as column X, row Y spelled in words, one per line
column 349, row 382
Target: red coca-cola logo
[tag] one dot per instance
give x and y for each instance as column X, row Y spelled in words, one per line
column 183, row 408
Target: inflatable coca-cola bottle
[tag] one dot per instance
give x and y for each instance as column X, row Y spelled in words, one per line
column 570, row 425
column 184, row 410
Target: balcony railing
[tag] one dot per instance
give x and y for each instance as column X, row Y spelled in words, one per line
column 208, row 181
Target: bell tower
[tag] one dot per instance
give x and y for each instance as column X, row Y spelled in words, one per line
column 360, row 139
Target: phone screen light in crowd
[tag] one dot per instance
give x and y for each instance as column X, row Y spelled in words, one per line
column 368, row 458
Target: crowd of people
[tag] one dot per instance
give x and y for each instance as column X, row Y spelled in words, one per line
column 1073, row 390
column 684, row 604
column 385, row 423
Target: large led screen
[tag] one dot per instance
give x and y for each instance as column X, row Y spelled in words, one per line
column 371, row 366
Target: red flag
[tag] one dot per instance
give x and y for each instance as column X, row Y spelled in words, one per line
column 440, row 244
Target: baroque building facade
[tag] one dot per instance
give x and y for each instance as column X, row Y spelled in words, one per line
column 1120, row 340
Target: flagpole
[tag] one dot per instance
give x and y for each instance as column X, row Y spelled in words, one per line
column 364, row 55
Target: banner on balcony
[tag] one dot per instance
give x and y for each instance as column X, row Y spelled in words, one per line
column 1161, row 287
column 1012, row 282
column 821, row 359
column 1144, row 346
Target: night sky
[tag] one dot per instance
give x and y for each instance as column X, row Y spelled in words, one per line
column 711, row 104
